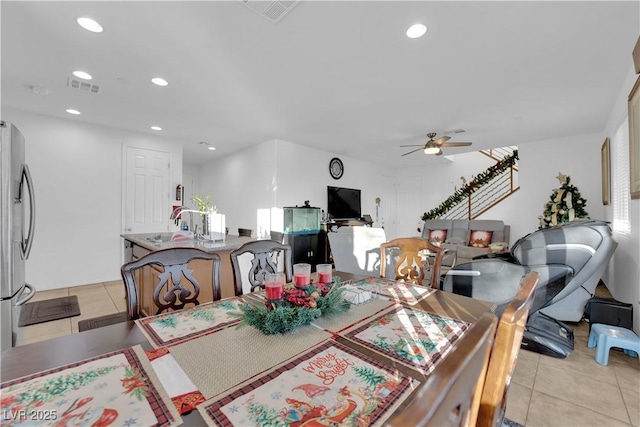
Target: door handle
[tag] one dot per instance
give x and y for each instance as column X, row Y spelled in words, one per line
column 32, row 293
column 28, row 241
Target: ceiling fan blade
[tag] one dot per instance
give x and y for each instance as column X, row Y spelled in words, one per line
column 456, row 144
column 441, row 140
column 413, row 151
column 414, row 145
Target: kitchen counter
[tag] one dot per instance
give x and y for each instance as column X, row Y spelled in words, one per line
column 147, row 241
column 138, row 245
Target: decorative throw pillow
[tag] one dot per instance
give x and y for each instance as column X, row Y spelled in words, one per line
column 480, row 239
column 437, row 236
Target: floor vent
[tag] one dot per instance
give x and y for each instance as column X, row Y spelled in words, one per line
column 84, row 86
column 273, row 11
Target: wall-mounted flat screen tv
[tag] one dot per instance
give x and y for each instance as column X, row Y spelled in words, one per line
column 343, row 203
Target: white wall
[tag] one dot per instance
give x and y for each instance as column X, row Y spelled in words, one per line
column 241, row 183
column 279, row 173
column 303, row 174
column 77, row 173
column 624, row 271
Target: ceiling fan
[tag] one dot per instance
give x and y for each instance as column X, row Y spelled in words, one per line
column 433, row 146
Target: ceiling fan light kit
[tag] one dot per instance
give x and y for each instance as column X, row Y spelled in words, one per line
column 434, row 146
column 431, row 149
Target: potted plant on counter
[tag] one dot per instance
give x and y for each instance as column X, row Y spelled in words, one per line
column 203, row 204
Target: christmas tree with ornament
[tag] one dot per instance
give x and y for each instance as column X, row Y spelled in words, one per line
column 565, row 204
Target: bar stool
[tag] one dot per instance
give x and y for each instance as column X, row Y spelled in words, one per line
column 607, row 336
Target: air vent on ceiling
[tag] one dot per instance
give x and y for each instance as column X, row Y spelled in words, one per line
column 273, row 11
column 84, row 86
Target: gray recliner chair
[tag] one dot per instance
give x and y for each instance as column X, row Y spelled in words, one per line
column 570, row 259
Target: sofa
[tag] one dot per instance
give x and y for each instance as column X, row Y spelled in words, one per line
column 468, row 238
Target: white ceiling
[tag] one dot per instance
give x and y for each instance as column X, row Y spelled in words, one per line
column 339, row 76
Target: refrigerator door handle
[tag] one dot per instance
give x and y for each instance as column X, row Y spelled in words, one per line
column 28, row 241
column 32, row 292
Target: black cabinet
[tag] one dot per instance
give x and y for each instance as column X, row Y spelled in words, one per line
column 308, row 248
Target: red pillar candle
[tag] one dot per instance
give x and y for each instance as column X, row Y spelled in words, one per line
column 274, row 290
column 302, row 280
column 324, row 273
column 324, row 278
column 274, row 286
column 302, row 274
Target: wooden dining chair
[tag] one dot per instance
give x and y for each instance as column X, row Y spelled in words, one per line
column 265, row 260
column 505, row 352
column 450, row 394
column 409, row 264
column 173, row 283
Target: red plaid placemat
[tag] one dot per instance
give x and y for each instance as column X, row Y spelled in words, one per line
column 175, row 327
column 117, row 388
column 413, row 337
column 406, row 293
column 331, row 384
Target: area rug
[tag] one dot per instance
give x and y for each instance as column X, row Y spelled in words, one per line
column 48, row 310
column 506, row 422
column 99, row 322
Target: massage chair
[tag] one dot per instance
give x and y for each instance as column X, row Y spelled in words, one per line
column 570, row 259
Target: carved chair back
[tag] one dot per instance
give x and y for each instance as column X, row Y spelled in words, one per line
column 409, row 264
column 176, row 286
column 266, row 255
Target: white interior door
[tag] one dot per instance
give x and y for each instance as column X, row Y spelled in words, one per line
column 409, row 202
column 190, row 190
column 146, row 187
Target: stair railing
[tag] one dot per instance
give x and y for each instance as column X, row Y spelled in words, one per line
column 486, row 190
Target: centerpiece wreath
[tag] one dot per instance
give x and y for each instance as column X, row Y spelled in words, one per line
column 298, row 307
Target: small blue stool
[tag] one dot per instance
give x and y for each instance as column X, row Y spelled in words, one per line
column 607, row 336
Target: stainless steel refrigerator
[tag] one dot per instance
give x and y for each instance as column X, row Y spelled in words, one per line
column 17, row 221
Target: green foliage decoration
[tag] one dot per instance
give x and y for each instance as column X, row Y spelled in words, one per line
column 565, row 204
column 464, row 192
column 285, row 317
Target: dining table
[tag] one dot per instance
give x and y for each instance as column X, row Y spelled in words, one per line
column 200, row 366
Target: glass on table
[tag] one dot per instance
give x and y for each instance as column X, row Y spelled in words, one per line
column 324, row 273
column 302, row 274
column 274, row 286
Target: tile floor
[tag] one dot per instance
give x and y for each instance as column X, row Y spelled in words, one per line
column 544, row 391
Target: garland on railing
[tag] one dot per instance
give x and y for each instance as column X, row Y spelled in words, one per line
column 480, row 180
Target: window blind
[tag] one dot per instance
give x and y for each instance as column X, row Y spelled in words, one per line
column 620, row 178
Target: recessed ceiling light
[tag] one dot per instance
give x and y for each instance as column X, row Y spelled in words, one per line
column 82, row 75
column 211, row 148
column 159, row 81
column 90, row 25
column 415, row 31
column 72, row 111
column 156, row 128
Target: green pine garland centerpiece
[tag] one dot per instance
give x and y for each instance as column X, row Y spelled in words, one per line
column 298, row 307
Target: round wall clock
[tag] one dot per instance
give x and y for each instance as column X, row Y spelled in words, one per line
column 336, row 168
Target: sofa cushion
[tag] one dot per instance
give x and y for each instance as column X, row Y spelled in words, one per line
column 494, row 225
column 437, row 237
column 436, row 224
column 480, row 238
